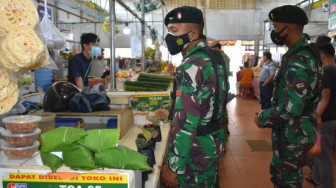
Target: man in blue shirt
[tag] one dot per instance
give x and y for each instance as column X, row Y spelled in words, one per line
column 80, row 64
column 265, row 78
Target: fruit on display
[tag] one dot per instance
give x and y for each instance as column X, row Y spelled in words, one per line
column 149, row 52
column 66, row 55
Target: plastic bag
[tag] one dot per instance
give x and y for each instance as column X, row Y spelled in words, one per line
column 150, row 5
column 78, row 157
column 316, row 149
column 98, row 140
column 57, row 139
column 51, row 160
column 54, row 38
column 123, row 158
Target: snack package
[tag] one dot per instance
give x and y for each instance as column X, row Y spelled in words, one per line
column 78, row 157
column 61, row 137
column 51, row 160
column 123, row 158
column 98, row 140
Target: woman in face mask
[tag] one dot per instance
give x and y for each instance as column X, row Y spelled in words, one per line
column 80, row 64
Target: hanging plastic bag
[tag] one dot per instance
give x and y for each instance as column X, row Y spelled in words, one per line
column 53, row 37
column 316, row 149
column 150, row 5
column 45, row 60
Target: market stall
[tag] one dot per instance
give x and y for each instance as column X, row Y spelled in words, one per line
column 25, row 160
column 32, row 172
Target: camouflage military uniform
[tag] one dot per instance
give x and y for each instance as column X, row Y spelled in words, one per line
column 196, row 158
column 292, row 116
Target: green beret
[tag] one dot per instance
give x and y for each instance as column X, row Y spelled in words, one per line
column 288, row 14
column 185, row 14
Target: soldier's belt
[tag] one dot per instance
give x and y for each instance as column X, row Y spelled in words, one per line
column 211, row 127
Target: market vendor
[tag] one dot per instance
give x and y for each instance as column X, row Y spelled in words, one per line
column 80, row 64
column 197, row 140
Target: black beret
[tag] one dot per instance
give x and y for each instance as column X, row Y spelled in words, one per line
column 288, row 14
column 185, row 14
column 323, row 40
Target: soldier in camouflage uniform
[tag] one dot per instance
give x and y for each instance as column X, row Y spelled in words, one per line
column 197, row 140
column 292, row 115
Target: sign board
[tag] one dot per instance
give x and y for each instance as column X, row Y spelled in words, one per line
column 332, row 15
column 66, row 30
column 149, row 108
column 40, row 10
column 65, row 180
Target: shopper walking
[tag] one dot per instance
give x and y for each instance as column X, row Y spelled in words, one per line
column 297, row 92
column 266, row 76
column 197, row 140
column 325, row 112
column 80, row 64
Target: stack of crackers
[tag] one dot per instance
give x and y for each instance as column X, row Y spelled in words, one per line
column 20, row 47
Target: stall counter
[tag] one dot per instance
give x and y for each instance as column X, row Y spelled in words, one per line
column 34, row 166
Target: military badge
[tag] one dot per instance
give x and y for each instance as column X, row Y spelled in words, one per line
column 179, row 15
column 179, row 41
column 171, row 18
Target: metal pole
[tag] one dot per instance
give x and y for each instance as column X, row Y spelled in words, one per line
column 132, row 12
column 143, row 35
column 112, row 49
column 163, row 24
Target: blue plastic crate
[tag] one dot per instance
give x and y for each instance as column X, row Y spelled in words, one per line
column 112, row 124
column 69, row 122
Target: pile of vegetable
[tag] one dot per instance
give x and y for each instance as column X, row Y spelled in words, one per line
column 149, row 82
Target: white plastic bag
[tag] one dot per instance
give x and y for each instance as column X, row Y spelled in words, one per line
column 53, row 37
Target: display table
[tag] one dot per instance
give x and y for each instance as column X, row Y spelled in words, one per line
column 124, row 117
column 32, row 172
column 147, row 106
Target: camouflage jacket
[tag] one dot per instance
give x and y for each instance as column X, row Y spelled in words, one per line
column 297, row 90
column 195, row 95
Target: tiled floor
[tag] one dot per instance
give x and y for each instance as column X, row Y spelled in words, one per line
column 240, row 167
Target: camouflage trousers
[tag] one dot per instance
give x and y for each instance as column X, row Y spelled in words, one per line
column 287, row 164
column 199, row 178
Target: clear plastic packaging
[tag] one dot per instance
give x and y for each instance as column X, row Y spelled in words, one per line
column 21, row 124
column 19, row 152
column 21, row 140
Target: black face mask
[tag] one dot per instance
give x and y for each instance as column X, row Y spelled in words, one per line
column 277, row 39
column 175, row 43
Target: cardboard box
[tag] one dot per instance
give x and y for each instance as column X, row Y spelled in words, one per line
column 149, row 108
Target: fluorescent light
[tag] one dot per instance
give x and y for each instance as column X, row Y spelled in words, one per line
column 126, row 29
